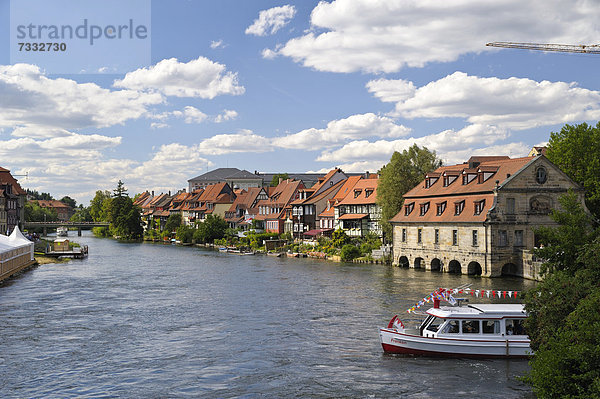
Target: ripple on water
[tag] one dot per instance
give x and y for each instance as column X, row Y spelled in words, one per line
column 144, row 320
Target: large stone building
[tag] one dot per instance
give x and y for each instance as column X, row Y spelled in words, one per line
column 235, row 178
column 478, row 218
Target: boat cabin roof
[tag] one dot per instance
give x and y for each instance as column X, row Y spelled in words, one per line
column 480, row 311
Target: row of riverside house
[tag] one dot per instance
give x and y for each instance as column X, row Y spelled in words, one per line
column 304, row 209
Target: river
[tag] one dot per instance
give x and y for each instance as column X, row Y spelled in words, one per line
column 159, row 321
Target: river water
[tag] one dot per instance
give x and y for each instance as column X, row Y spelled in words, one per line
column 159, row 321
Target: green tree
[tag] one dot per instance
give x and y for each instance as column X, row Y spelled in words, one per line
column 35, row 213
column 173, row 222
column 82, row 214
column 69, row 201
column 339, row 238
column 404, row 171
column 576, row 151
column 185, row 234
column 563, row 320
column 34, row 195
column 562, row 244
column 349, row 252
column 213, row 227
column 275, row 179
column 567, row 362
column 124, row 218
column 120, row 191
column 98, row 206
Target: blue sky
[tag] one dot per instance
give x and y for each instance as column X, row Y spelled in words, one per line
column 287, row 86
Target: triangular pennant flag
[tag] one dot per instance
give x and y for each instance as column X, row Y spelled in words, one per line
column 488, row 293
column 510, row 294
column 515, row 294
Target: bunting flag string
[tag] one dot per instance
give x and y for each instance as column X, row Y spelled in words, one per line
column 445, row 294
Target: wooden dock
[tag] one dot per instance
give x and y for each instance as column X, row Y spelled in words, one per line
column 75, row 253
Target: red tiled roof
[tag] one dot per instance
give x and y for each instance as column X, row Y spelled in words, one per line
column 7, row 178
column 505, row 169
column 349, row 184
column 325, row 179
column 328, row 213
column 358, row 194
column 51, row 204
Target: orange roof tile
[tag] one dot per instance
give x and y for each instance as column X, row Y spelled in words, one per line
column 505, row 169
column 358, row 194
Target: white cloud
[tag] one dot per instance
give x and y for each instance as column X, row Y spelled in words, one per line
column 172, row 164
column 448, row 141
column 158, row 125
column 243, row 141
column 269, row 54
column 343, row 130
column 29, row 99
column 197, row 78
column 227, row 115
column 215, row 44
column 513, row 103
column 388, row 35
column 191, row 115
column 271, row 20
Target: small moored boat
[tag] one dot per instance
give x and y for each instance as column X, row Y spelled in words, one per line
column 483, row 330
column 62, row 231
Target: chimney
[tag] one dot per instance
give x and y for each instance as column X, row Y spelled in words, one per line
column 280, row 180
column 169, row 193
column 367, row 174
column 153, row 193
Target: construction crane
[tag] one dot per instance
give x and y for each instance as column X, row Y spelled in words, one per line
column 565, row 48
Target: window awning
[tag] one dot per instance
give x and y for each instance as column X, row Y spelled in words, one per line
column 353, row 216
column 316, row 232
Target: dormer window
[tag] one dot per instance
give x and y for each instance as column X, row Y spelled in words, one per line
column 408, row 208
column 459, row 207
column 368, row 193
column 441, row 207
column 483, row 175
column 479, row 206
column 430, row 181
column 449, row 179
column 424, row 209
column 357, row 193
column 468, row 177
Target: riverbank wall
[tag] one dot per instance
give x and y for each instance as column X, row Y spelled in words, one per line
column 7, row 269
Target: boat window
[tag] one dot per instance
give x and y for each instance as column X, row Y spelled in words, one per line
column 425, row 322
column 515, row 327
column 435, row 324
column 490, row 326
column 470, row 326
column 451, row 327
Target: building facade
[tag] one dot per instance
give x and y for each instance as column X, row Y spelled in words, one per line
column 358, row 214
column 479, row 218
column 12, row 202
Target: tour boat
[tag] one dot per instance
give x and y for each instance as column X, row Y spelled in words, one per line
column 482, row 330
column 62, row 231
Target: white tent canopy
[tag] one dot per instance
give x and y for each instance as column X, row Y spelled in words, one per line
column 16, row 241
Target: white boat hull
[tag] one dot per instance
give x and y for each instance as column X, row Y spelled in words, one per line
column 395, row 341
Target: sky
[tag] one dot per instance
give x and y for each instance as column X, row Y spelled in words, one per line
column 281, row 86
